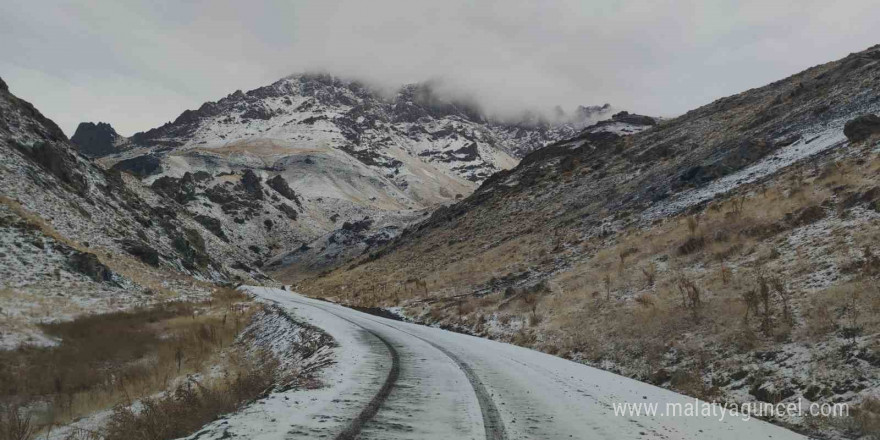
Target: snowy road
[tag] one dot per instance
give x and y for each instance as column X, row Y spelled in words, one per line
column 396, row 380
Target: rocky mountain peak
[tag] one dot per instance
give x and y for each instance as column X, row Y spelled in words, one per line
column 95, row 140
column 308, row 153
column 422, row 99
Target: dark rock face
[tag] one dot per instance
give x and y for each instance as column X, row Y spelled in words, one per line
column 287, row 210
column 140, row 167
column 280, row 185
column 808, row 216
column 421, row 100
column 219, row 195
column 212, row 224
column 88, row 264
column 234, row 200
column 357, row 226
column 862, row 127
column 633, row 119
column 468, row 153
column 142, row 252
column 251, row 183
column 59, row 161
column 95, row 140
column 3, row 85
column 181, row 190
column 257, row 113
column 191, row 248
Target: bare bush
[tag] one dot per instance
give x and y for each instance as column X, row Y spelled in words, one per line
column 864, row 421
column 764, row 299
column 785, row 297
column 15, row 423
column 690, row 294
column 649, row 272
column 693, row 222
column 645, row 300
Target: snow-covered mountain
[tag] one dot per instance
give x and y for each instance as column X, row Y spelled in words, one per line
column 329, row 154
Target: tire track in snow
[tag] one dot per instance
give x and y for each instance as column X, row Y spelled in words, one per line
column 492, row 422
column 354, row 427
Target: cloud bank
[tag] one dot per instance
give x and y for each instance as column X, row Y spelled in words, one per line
column 139, row 64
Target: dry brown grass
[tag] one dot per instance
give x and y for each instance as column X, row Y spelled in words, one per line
column 105, row 359
column 638, row 296
column 709, row 289
column 193, row 404
column 866, row 418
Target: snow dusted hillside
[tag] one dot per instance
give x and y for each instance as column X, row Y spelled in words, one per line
column 343, row 153
column 729, row 253
column 77, row 239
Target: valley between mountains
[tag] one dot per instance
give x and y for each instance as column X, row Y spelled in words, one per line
column 202, row 279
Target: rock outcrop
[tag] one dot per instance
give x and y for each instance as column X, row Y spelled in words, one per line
column 96, row 140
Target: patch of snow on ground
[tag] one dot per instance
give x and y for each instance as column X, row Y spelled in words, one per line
column 808, row 145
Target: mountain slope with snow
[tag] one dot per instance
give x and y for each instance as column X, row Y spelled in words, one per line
column 350, row 155
column 729, row 253
column 79, row 239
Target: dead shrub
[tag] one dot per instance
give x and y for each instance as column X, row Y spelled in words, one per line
column 819, row 321
column 524, row 338
column 504, row 319
column 623, row 255
column 725, row 274
column 864, row 421
column 693, row 222
column 15, row 423
column 690, row 294
column 649, row 272
column 691, row 384
column 742, row 338
column 645, row 300
column 534, row 319
column 531, row 301
column 692, row 245
column 871, row 263
column 785, row 297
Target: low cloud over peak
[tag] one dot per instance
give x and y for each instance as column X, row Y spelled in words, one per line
column 139, row 64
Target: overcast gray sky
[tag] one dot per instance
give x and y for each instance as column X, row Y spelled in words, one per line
column 139, row 64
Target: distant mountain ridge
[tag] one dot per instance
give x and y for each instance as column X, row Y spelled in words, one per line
column 350, row 154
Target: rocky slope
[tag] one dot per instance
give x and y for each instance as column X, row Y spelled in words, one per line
column 725, row 253
column 78, row 239
column 312, row 170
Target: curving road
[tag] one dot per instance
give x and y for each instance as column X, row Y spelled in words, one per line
column 395, row 380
